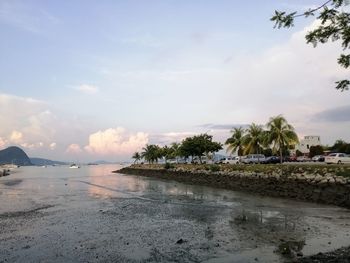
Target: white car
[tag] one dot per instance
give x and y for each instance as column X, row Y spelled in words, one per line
column 338, row 158
column 254, row 158
column 231, row 160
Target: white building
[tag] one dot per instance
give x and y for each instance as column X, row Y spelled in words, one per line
column 308, row 141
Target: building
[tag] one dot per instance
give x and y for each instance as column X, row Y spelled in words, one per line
column 308, row 141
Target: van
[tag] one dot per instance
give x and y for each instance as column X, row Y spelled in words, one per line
column 254, row 158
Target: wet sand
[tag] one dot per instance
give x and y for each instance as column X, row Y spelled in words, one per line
column 59, row 214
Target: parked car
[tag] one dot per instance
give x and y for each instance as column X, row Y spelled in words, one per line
column 318, row 158
column 290, row 158
column 254, row 158
column 338, row 158
column 272, row 159
column 230, row 160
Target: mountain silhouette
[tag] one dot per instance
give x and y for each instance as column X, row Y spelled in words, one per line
column 14, row 155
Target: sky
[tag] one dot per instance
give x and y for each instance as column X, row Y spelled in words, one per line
column 93, row 80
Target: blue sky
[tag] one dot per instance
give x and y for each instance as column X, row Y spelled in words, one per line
column 98, row 79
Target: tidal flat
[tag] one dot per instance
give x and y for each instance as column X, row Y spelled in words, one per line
column 57, row 214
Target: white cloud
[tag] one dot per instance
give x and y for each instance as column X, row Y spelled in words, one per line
column 32, row 146
column 52, row 146
column 116, row 141
column 170, row 137
column 16, row 137
column 73, row 149
column 26, row 17
column 87, row 89
column 26, row 120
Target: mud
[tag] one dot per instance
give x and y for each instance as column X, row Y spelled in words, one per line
column 59, row 214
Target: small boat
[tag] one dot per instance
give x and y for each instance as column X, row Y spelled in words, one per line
column 9, row 166
column 74, row 166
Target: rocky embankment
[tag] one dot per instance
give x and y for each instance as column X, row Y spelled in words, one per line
column 4, row 172
column 316, row 184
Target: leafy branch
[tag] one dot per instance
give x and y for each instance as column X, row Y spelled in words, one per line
column 335, row 26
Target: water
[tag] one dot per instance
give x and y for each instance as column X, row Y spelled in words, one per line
column 90, row 214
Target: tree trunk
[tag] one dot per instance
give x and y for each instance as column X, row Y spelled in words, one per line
column 281, row 155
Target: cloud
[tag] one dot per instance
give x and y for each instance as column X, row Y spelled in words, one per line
column 212, row 126
column 73, row 149
column 116, row 141
column 26, row 17
column 52, row 146
column 169, row 137
column 338, row 114
column 16, row 137
column 32, row 146
column 26, row 119
column 25, row 122
column 87, row 89
column 3, row 143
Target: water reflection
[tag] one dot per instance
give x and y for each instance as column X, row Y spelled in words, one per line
column 104, row 183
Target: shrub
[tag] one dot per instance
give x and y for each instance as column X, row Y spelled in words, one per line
column 168, row 166
column 214, row 168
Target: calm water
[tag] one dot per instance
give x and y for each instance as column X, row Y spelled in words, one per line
column 90, row 214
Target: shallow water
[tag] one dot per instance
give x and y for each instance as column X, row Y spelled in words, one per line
column 90, row 214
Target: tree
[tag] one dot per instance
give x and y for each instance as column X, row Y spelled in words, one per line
column 280, row 134
column 151, row 153
column 341, row 146
column 136, row 156
column 235, row 142
column 167, row 153
column 315, row 150
column 198, row 146
column 176, row 150
column 267, row 152
column 335, row 25
column 253, row 139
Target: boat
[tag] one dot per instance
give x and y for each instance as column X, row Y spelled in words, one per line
column 9, row 166
column 74, row 166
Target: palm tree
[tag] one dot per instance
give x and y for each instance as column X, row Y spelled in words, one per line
column 253, row 139
column 235, row 142
column 136, row 156
column 281, row 134
column 176, row 150
column 151, row 153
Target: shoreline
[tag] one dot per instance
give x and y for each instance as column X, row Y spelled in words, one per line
column 299, row 185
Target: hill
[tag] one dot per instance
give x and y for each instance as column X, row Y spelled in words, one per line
column 14, row 155
column 42, row 161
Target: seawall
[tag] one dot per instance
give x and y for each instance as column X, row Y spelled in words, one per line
column 326, row 189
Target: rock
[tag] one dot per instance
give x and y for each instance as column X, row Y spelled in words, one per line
column 181, row 241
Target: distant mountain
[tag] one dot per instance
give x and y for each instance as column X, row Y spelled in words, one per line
column 14, row 155
column 103, row 162
column 42, row 161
